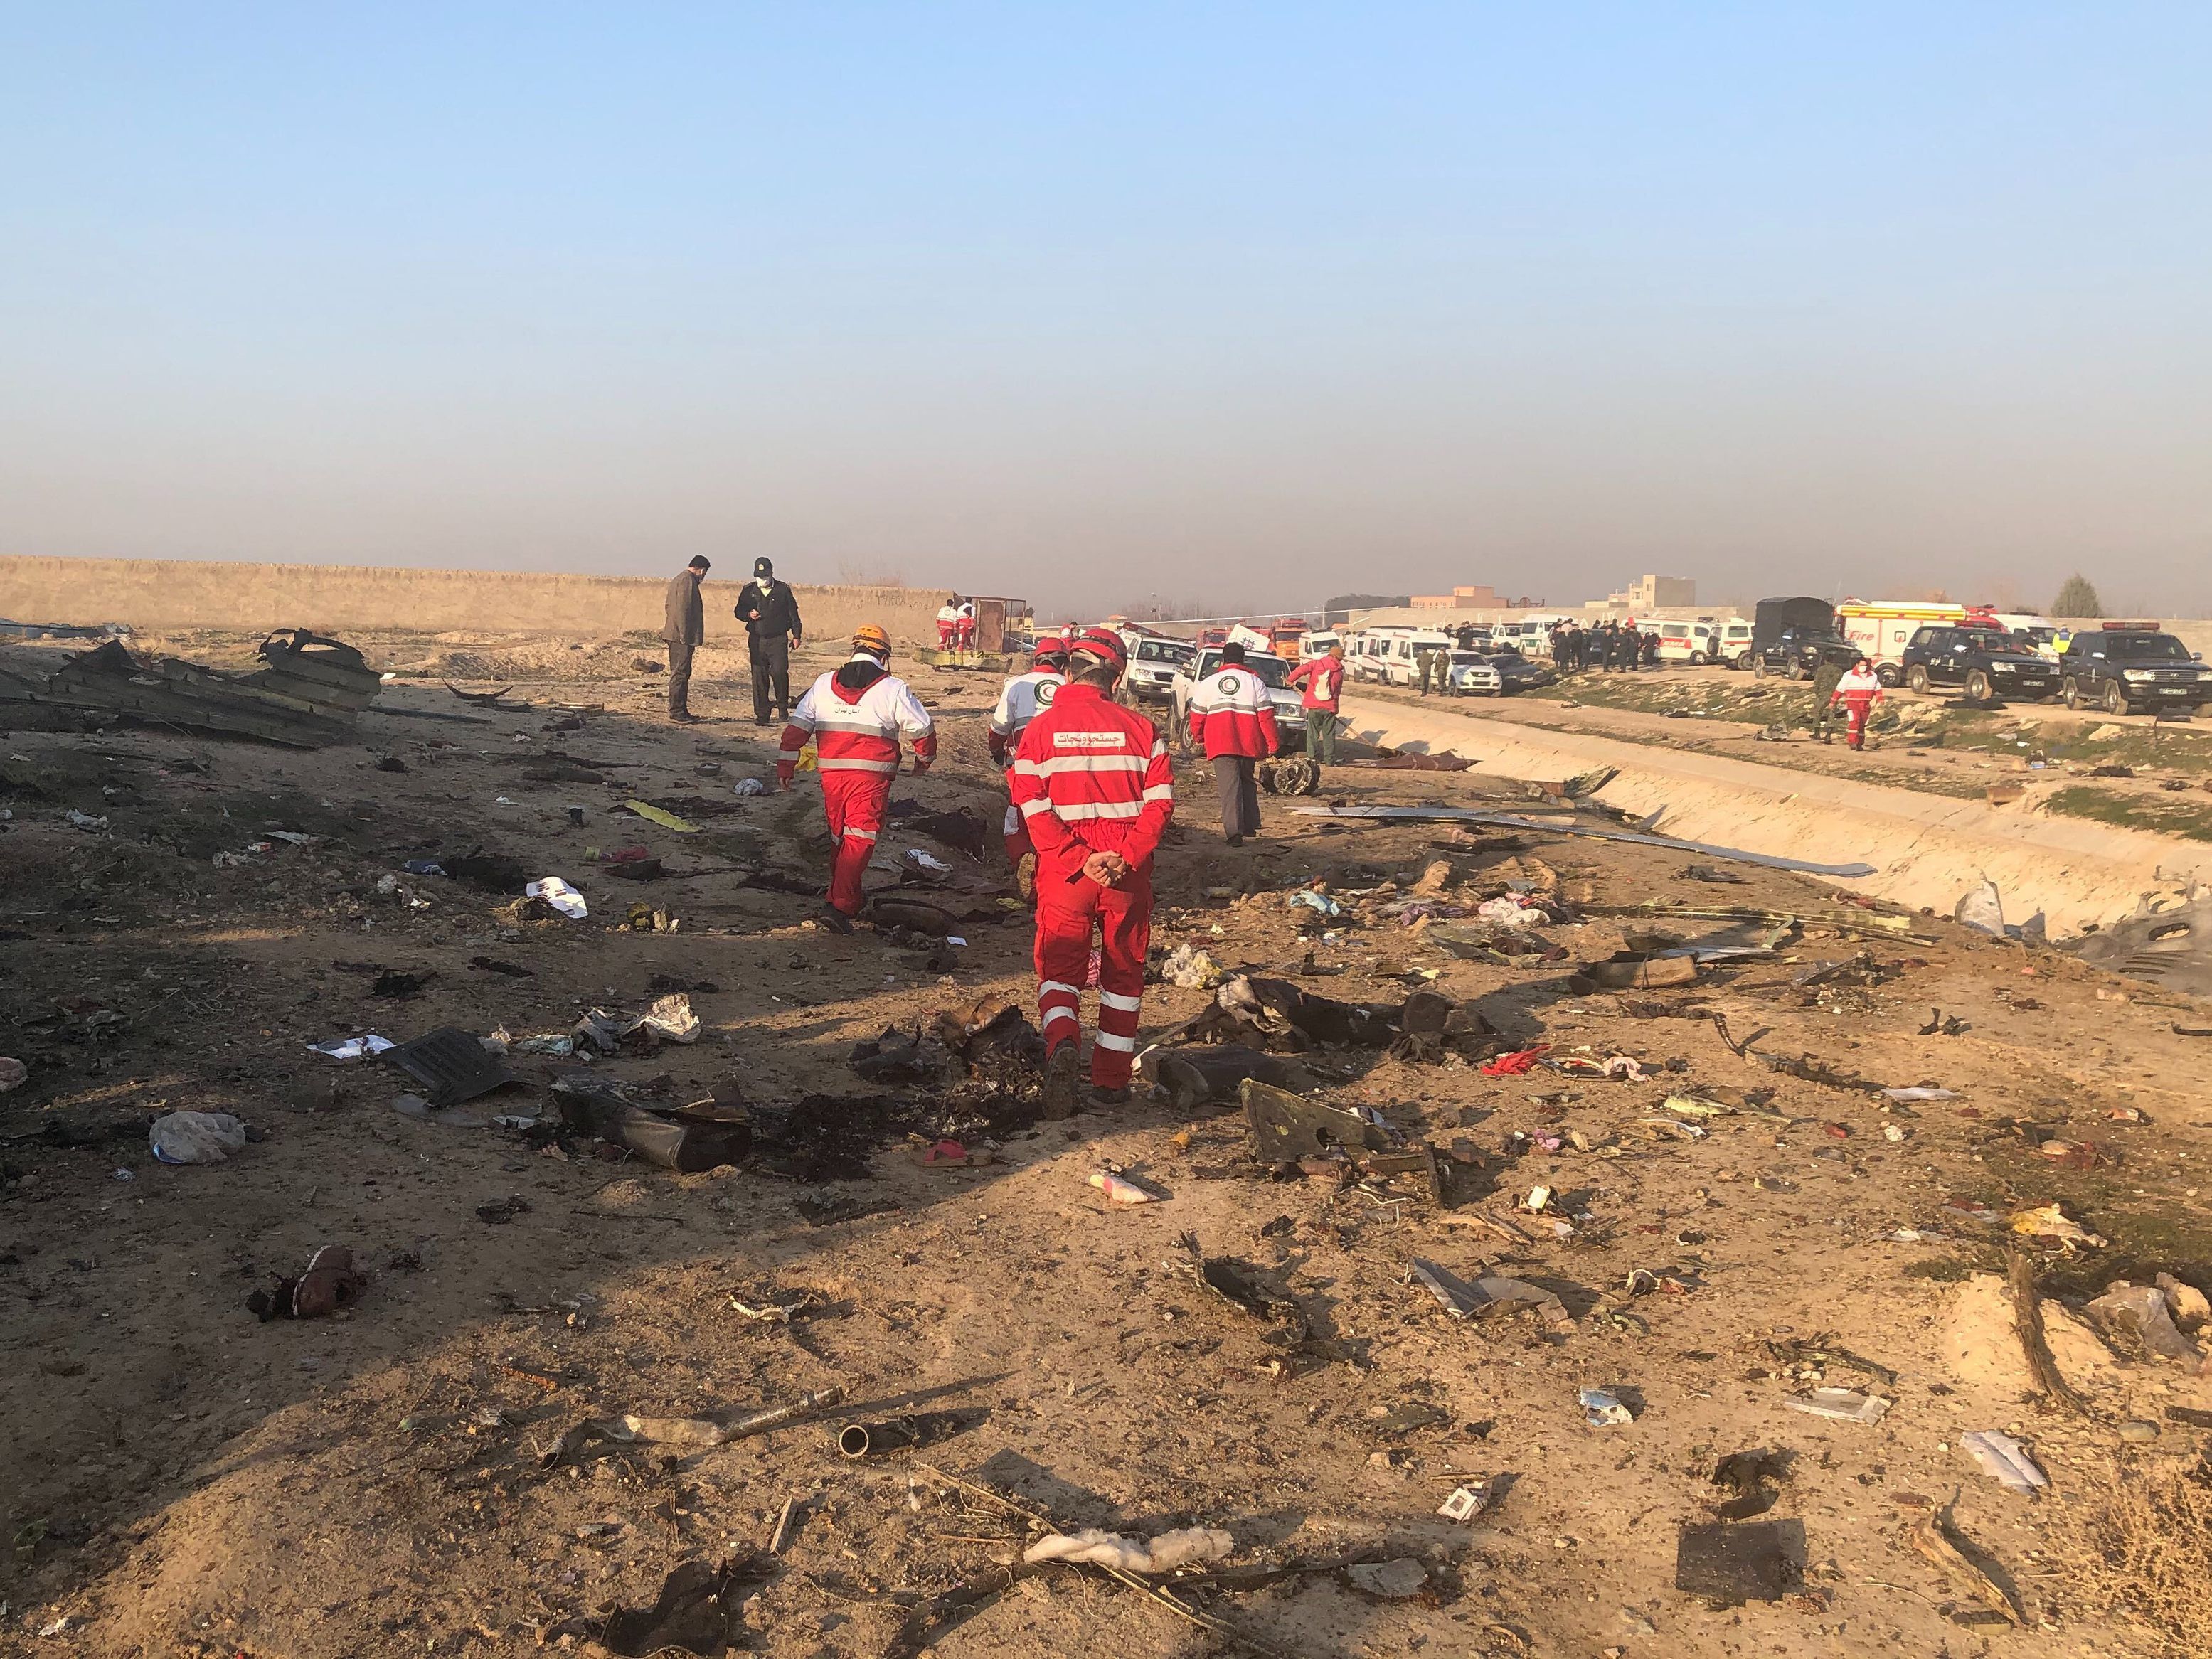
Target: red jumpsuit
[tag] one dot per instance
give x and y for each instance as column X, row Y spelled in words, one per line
column 1090, row 776
column 856, row 713
column 1858, row 692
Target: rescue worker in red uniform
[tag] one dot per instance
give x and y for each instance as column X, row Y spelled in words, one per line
column 1020, row 701
column 1233, row 718
column 1858, row 692
column 856, row 715
column 1095, row 785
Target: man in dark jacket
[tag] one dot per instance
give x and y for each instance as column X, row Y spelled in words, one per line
column 770, row 613
column 683, row 627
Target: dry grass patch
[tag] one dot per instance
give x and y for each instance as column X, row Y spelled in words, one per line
column 2138, row 1544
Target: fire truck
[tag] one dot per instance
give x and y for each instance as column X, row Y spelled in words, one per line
column 1882, row 629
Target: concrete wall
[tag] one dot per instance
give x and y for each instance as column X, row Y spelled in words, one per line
column 170, row 596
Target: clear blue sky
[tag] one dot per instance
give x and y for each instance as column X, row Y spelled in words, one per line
column 1253, row 303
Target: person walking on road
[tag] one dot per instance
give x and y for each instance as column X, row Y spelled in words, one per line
column 769, row 611
column 1825, row 679
column 1095, row 785
column 1858, row 692
column 1321, row 684
column 1021, row 700
column 1233, row 718
column 683, row 627
column 1425, row 667
column 856, row 715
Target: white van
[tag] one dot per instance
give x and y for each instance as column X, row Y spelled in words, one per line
column 1701, row 642
column 1316, row 642
column 1400, row 663
column 1366, row 651
column 1732, row 642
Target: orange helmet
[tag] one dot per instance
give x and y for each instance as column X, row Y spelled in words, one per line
column 870, row 638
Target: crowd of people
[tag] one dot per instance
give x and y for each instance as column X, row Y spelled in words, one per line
column 1612, row 646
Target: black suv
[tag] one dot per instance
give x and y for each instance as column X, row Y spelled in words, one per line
column 1798, row 654
column 1987, row 661
column 2124, row 666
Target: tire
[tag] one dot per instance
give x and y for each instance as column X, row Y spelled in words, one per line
column 2116, row 700
column 1699, row 659
column 1915, row 680
column 1978, row 686
column 1887, row 675
column 2070, row 693
column 1797, row 671
column 1757, row 667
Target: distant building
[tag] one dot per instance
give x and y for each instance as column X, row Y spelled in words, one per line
column 1652, row 592
column 1460, row 598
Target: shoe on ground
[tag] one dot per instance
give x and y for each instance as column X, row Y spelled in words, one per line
column 835, row 920
column 1060, row 1093
column 1114, row 1096
column 686, row 718
column 1235, row 840
column 1025, row 876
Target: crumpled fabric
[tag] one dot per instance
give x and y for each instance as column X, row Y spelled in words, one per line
column 1164, row 1554
column 1518, row 1063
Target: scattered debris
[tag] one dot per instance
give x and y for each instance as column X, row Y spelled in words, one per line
column 1170, row 1550
column 552, row 891
column 330, row 1283
column 1842, row 1405
column 1392, row 1581
column 1469, row 1503
column 1121, row 1190
column 452, row 1064
column 2004, row 1459
column 1602, row 1409
column 2141, row 1310
column 196, row 1137
column 1728, row 1563
column 1927, row 1531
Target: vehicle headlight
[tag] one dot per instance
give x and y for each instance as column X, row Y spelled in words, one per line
column 2139, row 673
column 2004, row 667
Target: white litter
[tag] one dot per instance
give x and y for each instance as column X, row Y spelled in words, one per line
column 1844, row 1404
column 1919, row 1094
column 1981, row 908
column 2004, row 1459
column 358, row 1047
column 196, row 1137
column 751, row 787
column 84, row 820
column 1467, row 1503
column 561, row 897
column 1170, row 1550
column 1602, row 1408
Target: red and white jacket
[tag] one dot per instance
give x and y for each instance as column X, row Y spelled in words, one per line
column 856, row 715
column 1322, row 681
column 1232, row 714
column 1024, row 697
column 1091, row 776
column 1856, row 687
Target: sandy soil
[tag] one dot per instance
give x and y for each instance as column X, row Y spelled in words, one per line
column 186, row 1480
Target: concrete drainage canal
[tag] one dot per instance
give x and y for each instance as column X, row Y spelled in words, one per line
column 2131, row 892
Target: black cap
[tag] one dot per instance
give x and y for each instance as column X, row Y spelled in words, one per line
column 763, row 567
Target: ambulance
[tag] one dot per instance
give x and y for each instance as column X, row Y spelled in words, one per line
column 1882, row 629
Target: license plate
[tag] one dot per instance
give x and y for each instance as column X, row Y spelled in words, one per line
column 2172, row 690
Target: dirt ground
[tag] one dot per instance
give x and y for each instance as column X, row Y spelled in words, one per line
column 186, row 1480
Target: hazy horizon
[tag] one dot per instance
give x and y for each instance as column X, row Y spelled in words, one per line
column 1253, row 307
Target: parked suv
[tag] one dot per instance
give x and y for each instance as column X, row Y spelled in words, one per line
column 2125, row 666
column 1797, row 654
column 1275, row 674
column 1152, row 668
column 1987, row 661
